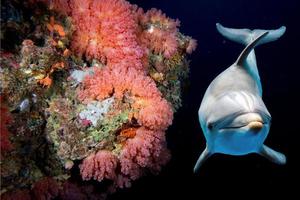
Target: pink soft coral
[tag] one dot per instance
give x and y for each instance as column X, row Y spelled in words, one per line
column 160, row 35
column 104, row 81
column 156, row 16
column 155, row 112
column 44, row 189
column 192, row 45
column 156, row 115
column 106, row 30
column 146, row 150
column 99, row 166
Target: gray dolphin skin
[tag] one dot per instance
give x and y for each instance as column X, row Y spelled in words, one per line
column 232, row 114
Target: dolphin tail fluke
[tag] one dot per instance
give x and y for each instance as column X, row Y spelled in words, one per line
column 272, row 155
column 246, row 36
column 242, row 59
column 202, row 158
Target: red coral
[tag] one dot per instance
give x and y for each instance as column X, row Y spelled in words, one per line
column 61, row 6
column 9, row 59
column 5, row 120
column 74, row 191
column 99, row 166
column 45, row 189
column 71, row 191
column 17, row 195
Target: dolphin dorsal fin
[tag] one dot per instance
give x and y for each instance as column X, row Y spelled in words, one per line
column 243, row 56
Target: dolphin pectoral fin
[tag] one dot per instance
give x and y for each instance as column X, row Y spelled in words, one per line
column 272, row 155
column 202, row 158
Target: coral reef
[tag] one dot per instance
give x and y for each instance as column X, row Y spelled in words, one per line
column 88, row 91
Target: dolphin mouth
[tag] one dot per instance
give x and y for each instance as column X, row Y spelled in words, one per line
column 252, row 121
column 241, row 120
column 257, row 124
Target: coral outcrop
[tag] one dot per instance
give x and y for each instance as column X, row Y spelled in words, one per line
column 91, row 88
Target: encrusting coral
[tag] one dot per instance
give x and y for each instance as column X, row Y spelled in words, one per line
column 100, row 81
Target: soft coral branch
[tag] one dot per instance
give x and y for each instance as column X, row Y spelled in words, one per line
column 106, row 30
column 160, row 34
column 146, row 150
column 99, row 166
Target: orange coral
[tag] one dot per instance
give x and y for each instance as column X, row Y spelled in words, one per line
column 128, row 132
column 66, row 53
column 59, row 29
column 58, row 65
column 47, row 81
column 52, row 26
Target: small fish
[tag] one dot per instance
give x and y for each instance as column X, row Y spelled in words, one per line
column 25, row 104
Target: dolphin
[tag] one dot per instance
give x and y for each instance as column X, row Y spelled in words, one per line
column 232, row 114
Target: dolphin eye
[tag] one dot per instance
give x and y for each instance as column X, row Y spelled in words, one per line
column 210, row 126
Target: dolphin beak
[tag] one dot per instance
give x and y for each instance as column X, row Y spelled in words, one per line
column 255, row 126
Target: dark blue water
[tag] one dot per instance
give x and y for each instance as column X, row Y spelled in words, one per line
column 278, row 64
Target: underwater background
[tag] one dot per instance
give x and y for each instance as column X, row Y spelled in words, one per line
column 278, row 65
